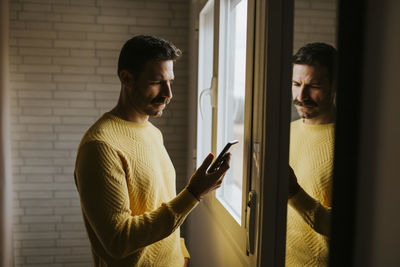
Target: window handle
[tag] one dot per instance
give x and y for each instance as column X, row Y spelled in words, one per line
column 206, row 91
column 212, row 93
column 251, row 222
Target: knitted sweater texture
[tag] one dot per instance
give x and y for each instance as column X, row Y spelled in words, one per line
column 308, row 217
column 126, row 183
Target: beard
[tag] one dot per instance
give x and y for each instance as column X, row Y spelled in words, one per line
column 150, row 107
column 307, row 109
column 307, row 114
column 157, row 106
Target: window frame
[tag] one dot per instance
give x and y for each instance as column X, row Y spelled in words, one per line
column 236, row 232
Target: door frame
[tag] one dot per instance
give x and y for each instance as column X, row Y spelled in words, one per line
column 273, row 73
column 346, row 180
column 273, row 41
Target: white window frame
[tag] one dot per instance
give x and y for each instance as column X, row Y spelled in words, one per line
column 267, row 137
column 235, row 231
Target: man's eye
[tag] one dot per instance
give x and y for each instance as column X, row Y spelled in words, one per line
column 296, row 84
column 155, row 82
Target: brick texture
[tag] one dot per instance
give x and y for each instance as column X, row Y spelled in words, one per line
column 314, row 21
column 63, row 62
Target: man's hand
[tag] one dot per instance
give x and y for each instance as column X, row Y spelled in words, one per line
column 186, row 264
column 202, row 182
column 294, row 187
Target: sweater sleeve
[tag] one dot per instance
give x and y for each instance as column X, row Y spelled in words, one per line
column 316, row 215
column 185, row 252
column 101, row 183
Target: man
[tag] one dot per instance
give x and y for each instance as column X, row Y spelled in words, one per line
column 124, row 176
column 311, row 155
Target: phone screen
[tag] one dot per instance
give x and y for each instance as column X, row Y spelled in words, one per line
column 221, row 157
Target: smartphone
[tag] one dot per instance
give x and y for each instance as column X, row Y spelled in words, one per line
column 221, row 157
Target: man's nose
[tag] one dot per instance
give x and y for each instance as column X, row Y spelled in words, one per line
column 303, row 93
column 167, row 90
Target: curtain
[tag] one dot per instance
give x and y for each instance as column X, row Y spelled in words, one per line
column 6, row 255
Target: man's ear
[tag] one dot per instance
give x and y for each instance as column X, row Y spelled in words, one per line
column 126, row 78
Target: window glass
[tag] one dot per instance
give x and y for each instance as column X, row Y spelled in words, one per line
column 231, row 98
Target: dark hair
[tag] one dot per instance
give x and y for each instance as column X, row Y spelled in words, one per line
column 318, row 54
column 140, row 49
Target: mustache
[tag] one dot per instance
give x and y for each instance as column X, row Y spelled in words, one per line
column 308, row 103
column 160, row 100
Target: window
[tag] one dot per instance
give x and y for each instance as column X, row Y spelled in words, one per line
column 231, row 99
column 224, row 108
column 241, row 97
column 221, row 94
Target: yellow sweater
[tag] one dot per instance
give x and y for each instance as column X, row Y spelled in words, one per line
column 308, row 217
column 126, row 183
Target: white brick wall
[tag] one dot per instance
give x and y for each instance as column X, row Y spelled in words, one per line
column 63, row 63
column 314, row 21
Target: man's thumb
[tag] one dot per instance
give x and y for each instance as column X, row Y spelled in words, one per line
column 206, row 163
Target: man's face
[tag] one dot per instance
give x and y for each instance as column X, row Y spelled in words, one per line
column 150, row 91
column 312, row 92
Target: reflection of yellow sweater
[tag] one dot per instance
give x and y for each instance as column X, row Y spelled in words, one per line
column 311, row 157
column 126, row 183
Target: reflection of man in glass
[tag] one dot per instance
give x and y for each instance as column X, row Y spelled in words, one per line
column 311, row 156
